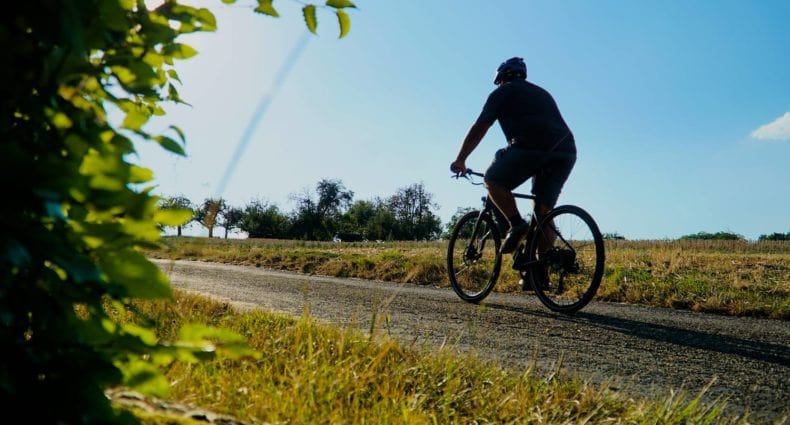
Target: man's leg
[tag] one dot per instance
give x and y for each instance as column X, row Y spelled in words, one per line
column 546, row 234
column 503, row 199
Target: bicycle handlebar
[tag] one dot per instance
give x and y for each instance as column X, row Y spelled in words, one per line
column 466, row 174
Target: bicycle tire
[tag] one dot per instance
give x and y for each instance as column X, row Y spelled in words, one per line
column 473, row 264
column 568, row 275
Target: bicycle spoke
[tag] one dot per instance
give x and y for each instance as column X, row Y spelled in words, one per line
column 574, row 263
column 466, row 266
column 472, row 262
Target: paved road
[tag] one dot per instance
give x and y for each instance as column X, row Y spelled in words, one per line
column 637, row 349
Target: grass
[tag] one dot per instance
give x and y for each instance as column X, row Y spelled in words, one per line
column 726, row 277
column 315, row 373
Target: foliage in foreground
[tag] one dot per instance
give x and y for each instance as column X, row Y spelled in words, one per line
column 314, row 373
column 76, row 212
column 726, row 277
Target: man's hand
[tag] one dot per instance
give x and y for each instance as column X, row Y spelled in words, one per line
column 458, row 167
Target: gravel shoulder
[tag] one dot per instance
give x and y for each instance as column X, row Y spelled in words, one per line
column 634, row 348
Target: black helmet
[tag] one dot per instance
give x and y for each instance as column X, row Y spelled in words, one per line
column 511, row 69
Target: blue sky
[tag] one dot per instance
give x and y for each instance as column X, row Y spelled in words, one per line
column 681, row 110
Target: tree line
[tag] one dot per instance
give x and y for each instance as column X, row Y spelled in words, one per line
column 718, row 236
column 326, row 212
column 730, row 236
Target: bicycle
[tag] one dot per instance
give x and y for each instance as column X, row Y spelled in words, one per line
column 565, row 277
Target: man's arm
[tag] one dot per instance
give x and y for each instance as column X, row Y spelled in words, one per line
column 472, row 139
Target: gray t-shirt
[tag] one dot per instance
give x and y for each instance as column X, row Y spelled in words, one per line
column 528, row 114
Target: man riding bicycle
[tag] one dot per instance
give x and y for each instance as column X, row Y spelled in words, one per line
column 540, row 145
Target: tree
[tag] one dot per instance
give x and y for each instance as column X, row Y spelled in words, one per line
column 208, row 214
column 411, row 207
column 358, row 217
column 230, row 219
column 317, row 217
column 78, row 212
column 177, row 203
column 460, row 212
column 383, row 225
column 775, row 237
column 261, row 220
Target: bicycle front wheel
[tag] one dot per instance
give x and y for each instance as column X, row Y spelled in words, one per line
column 570, row 255
column 473, row 258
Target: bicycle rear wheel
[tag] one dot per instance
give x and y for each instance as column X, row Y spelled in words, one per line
column 473, row 258
column 568, row 273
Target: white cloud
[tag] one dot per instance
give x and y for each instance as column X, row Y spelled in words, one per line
column 778, row 129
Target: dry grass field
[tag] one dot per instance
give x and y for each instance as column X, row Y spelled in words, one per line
column 314, row 373
column 727, row 277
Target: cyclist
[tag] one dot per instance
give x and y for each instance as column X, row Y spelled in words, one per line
column 540, row 145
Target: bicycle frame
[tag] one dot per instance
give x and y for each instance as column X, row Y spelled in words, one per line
column 490, row 209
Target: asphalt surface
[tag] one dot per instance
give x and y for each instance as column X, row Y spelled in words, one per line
column 636, row 349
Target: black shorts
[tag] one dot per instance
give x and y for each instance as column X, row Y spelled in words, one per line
column 512, row 166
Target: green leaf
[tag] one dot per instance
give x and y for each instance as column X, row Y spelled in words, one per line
column 145, row 378
column 340, row 4
column 180, row 134
column 265, row 7
column 179, row 51
column 172, row 94
column 61, row 120
column 199, row 333
column 79, row 268
column 309, row 17
column 173, row 74
column 344, row 21
column 132, row 271
column 173, row 216
column 140, row 174
column 145, row 230
column 113, row 15
column 171, row 145
column 135, row 119
column 222, row 341
column 146, row 335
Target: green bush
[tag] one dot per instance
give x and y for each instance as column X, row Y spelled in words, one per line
column 76, row 213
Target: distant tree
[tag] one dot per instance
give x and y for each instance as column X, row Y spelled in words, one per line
column 614, row 236
column 305, row 220
column 262, row 220
column 356, row 219
column 208, row 213
column 718, row 236
column 230, row 218
column 318, row 216
column 411, row 206
column 460, row 212
column 178, row 202
column 775, row 237
column 382, row 226
column 358, row 215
